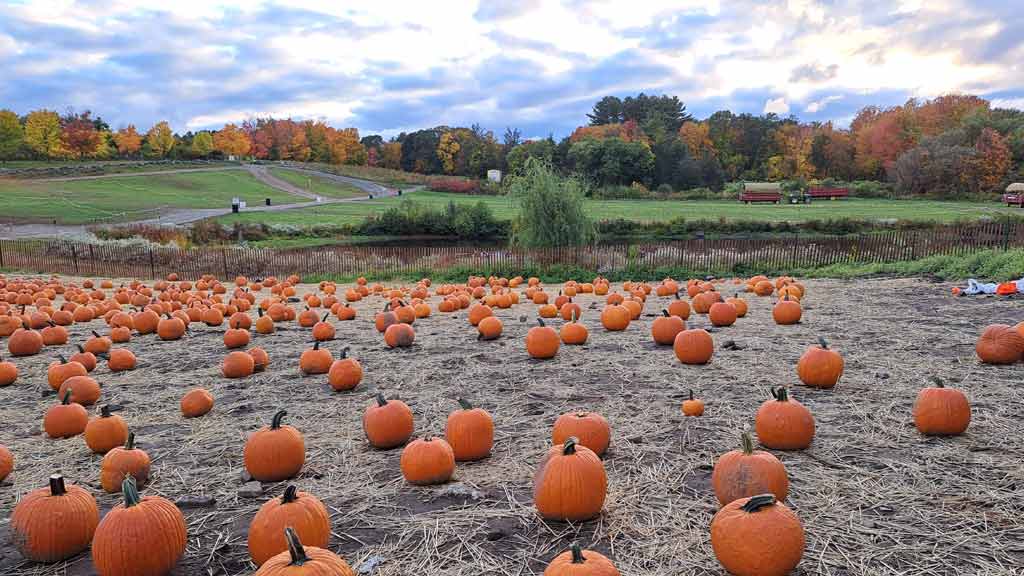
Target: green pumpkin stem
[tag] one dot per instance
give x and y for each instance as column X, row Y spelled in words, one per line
column 344, row 353
column 691, row 394
column 81, row 350
column 465, row 404
column 291, row 494
column 823, row 343
column 130, row 443
column 62, row 359
column 316, row 345
column 572, row 314
column 105, row 411
column 67, row 397
column 665, row 313
column 757, row 502
column 295, row 549
column 324, row 319
column 747, row 443
column 938, row 382
column 781, row 394
column 381, row 400
column 569, row 448
column 577, row 554
column 540, row 322
column 275, row 422
column 131, row 492
column 57, row 487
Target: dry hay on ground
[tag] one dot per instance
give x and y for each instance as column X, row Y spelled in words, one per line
column 875, row 496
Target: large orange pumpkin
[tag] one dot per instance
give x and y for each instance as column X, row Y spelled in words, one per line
column 276, row 452
column 301, row 511
column 941, row 411
column 399, row 335
column 427, row 461
column 999, row 344
column 784, row 423
column 570, row 483
column 24, row 342
column 578, row 562
column 345, row 373
column 589, row 428
column 54, row 523
column 542, row 341
column 820, row 366
column 301, row 560
column 470, row 432
column 615, row 317
column 722, row 314
column 787, row 311
column 666, row 327
column 140, row 537
column 747, row 472
column 387, row 423
column 694, row 346
column 316, row 360
column 757, row 536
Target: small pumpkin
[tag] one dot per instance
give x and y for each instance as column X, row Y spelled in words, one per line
column 383, row 320
column 139, row 537
column 120, row 360
column 722, row 314
column 387, row 423
column 589, row 428
column 345, row 373
column 170, row 328
column 260, row 359
column 54, row 335
column 570, row 483
column 236, row 337
column 323, row 330
column 747, row 472
column 757, row 536
column 478, row 312
column 573, row 333
column 666, row 327
column 87, row 359
column 470, row 432
column 105, row 432
column 427, row 461
column 941, row 411
column 61, row 370
column 999, row 344
column 787, row 311
column 694, row 346
column 399, row 335
column 66, row 419
column 196, row 402
column 264, row 323
column 54, row 523
column 98, row 344
column 615, row 317
column 346, row 312
column 542, row 341
column 738, row 304
column 489, row 328
column 820, row 366
column 84, row 390
column 24, row 342
column 693, row 406
column 276, row 452
column 679, row 307
column 316, row 360
column 122, row 462
column 301, row 511
column 8, row 372
column 578, row 562
column 301, row 560
column 238, row 365
column 783, row 423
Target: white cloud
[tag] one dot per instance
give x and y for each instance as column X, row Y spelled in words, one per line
column 1017, row 103
column 818, row 105
column 776, row 106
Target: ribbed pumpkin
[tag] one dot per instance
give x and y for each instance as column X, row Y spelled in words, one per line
column 120, row 360
column 323, row 330
column 427, row 461
column 122, row 462
column 66, row 419
column 578, row 562
column 542, row 341
column 747, row 472
column 589, row 428
column 615, row 317
column 722, row 314
column 302, row 560
column 87, row 359
column 301, row 511
column 757, row 536
column 570, row 483
column 316, row 360
column 260, row 358
column 941, row 411
column 276, row 452
column 489, row 328
column 54, row 523
column 399, row 335
column 573, row 333
column 999, row 344
column 666, row 327
column 8, row 373
column 387, row 423
column 6, row 462
column 787, row 311
column 61, row 370
column 24, row 342
column 196, row 402
column 139, row 537
column 238, row 364
column 345, row 373
column 694, row 346
column 470, row 432
column 98, row 344
column 784, row 423
column 54, row 335
column 478, row 312
column 738, row 304
column 105, row 432
column 820, row 366
column 693, row 406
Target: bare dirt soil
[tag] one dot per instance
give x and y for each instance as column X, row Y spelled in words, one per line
column 875, row 497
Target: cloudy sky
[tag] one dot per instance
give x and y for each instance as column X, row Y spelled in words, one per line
column 387, row 66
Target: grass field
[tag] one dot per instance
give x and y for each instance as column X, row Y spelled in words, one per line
column 111, row 166
column 317, row 185
column 656, row 210
column 80, row 201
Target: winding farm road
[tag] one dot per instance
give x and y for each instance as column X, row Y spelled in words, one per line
column 184, row 216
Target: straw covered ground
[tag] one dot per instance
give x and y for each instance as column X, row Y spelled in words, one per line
column 875, row 497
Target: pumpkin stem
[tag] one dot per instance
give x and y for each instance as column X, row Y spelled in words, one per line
column 823, row 343
column 677, row 294
column 577, row 554
column 105, row 411
column 387, row 307
column 344, row 353
column 130, row 443
column 747, row 443
column 96, row 334
column 57, row 487
column 131, row 492
column 324, row 319
column 465, row 404
column 665, row 313
column 80, row 349
column 781, row 394
column 540, row 322
column 275, row 423
column 691, row 394
column 67, row 397
column 259, row 312
column 573, row 315
column 938, row 382
column 757, row 502
column 569, row 447
column 295, row 549
column 381, row 400
column 62, row 359
column 291, row 494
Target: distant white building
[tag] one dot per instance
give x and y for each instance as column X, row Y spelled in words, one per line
column 494, row 175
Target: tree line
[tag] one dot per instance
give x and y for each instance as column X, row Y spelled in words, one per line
column 948, row 146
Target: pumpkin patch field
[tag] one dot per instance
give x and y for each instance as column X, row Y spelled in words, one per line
column 760, row 426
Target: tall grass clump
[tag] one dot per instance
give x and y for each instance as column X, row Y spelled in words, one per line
column 551, row 208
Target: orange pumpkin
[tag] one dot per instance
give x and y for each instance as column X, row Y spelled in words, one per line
column 301, row 511
column 276, row 452
column 304, row 560
column 153, row 525
column 489, row 328
column 820, row 366
column 722, row 314
column 124, row 462
column 666, row 327
column 121, row 359
column 8, row 373
column 387, row 423
column 196, row 402
column 784, row 423
column 694, row 346
column 105, row 432
column 542, row 341
column 999, row 344
column 739, row 304
column 345, row 373
column 757, row 536
column 238, row 364
column 589, row 428
column 427, row 461
column 6, row 463
column 66, row 419
column 693, row 406
column 399, row 335
column 470, row 432
column 478, row 312
column 84, row 390
column 574, row 333
column 24, row 342
column 570, row 483
column 260, row 359
column 316, row 360
column 578, row 562
column 787, row 311
column 61, row 370
column 615, row 317
column 54, row 523
column 679, row 307
column 747, row 472
column 941, row 411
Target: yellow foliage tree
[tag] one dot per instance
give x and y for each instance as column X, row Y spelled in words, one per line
column 231, row 141
column 697, row 137
column 447, row 149
column 160, row 139
column 128, row 141
column 43, row 134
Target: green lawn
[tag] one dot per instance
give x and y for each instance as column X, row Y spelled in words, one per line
column 318, row 185
column 81, row 201
column 112, row 166
column 655, row 210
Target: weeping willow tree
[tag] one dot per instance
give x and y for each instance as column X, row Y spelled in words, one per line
column 551, row 210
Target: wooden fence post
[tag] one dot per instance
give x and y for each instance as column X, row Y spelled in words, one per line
column 152, row 267
column 74, row 257
column 224, row 260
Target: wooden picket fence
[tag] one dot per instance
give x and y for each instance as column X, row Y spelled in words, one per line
column 697, row 256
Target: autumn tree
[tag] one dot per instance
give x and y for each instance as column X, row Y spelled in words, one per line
column 992, row 161
column 160, row 139
column 128, row 141
column 298, row 147
column 447, row 148
column 43, row 133
column 231, row 141
column 832, row 153
column 696, row 136
column 12, row 136
column 79, row 135
column 391, row 155
column 202, row 144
